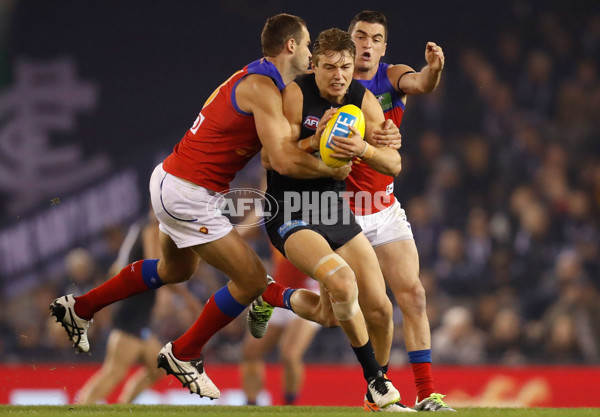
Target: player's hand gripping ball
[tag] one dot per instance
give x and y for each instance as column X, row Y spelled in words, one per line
column 348, row 115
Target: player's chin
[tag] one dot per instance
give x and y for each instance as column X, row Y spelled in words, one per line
column 363, row 66
column 337, row 90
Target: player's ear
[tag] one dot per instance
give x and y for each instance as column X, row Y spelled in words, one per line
column 290, row 45
column 384, row 48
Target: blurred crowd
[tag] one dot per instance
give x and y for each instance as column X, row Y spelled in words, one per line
column 501, row 184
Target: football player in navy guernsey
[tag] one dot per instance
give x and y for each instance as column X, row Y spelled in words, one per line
column 323, row 240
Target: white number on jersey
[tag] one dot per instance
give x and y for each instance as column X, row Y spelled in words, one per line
column 197, row 123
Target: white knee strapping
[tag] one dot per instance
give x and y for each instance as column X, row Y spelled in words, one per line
column 348, row 309
column 325, row 267
column 328, row 265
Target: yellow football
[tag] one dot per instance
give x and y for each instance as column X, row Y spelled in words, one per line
column 348, row 115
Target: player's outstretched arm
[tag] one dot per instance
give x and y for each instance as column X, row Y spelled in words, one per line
column 405, row 79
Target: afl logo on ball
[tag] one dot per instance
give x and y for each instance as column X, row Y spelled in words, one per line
column 311, row 122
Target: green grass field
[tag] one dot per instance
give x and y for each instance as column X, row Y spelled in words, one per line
column 221, row 411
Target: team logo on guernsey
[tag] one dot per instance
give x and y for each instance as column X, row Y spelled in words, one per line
column 385, row 100
column 389, row 189
column 311, row 122
column 244, row 207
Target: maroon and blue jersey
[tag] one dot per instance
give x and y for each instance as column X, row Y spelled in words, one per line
column 363, row 177
column 223, row 138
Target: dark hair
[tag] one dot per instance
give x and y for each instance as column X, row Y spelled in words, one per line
column 369, row 16
column 278, row 30
column 331, row 41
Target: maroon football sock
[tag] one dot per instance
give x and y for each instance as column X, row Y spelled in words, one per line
column 274, row 294
column 189, row 345
column 126, row 283
column 423, row 379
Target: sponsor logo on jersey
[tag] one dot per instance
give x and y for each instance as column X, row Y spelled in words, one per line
column 311, row 122
column 385, row 100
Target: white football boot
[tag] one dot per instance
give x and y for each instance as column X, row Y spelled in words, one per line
column 63, row 309
column 190, row 373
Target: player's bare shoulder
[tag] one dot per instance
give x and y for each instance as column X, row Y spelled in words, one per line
column 371, row 107
column 373, row 115
column 292, row 107
column 256, row 90
column 292, row 92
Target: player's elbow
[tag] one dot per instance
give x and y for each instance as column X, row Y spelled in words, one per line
column 392, row 171
column 392, row 168
column 277, row 161
column 428, row 86
column 428, row 89
column 397, row 167
column 283, row 166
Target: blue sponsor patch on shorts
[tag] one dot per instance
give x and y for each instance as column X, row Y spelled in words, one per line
column 286, row 227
